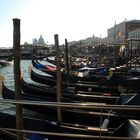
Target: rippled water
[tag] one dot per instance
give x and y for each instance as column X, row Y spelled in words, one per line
column 7, row 72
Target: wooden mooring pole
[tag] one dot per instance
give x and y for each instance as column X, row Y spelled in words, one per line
column 67, row 60
column 17, row 74
column 58, row 86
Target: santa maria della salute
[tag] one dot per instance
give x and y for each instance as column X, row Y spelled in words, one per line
column 39, row 41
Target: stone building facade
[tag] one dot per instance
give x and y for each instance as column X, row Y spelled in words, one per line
column 118, row 34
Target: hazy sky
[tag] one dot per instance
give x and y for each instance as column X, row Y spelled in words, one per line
column 71, row 19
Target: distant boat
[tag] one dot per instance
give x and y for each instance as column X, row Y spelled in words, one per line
column 5, row 63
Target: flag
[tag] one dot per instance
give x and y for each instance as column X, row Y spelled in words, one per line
column 121, row 34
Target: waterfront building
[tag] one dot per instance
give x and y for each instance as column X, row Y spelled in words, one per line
column 28, row 50
column 39, row 41
column 38, row 48
column 34, row 41
column 118, row 34
column 6, row 53
column 134, row 42
column 86, row 46
column 135, row 34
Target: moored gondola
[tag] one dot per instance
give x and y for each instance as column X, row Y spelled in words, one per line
column 127, row 81
column 74, row 76
column 128, row 129
column 88, row 117
column 124, row 99
column 73, row 66
column 49, row 80
column 49, row 91
column 33, row 124
column 95, row 128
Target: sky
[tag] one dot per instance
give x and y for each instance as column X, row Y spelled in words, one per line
column 70, row 19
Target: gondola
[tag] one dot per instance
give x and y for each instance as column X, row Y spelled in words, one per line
column 74, row 76
column 125, row 129
column 123, row 99
column 88, row 114
column 73, row 66
column 49, row 91
column 88, row 117
column 4, row 63
column 64, row 80
column 33, row 124
column 127, row 81
column 115, row 127
column 92, row 70
column 49, row 80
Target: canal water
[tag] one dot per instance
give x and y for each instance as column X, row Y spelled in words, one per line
column 7, row 72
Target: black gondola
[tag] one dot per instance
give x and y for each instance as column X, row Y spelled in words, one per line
column 125, row 129
column 89, row 114
column 73, row 66
column 127, row 81
column 49, row 91
column 74, row 76
column 87, row 117
column 49, row 80
column 9, row 121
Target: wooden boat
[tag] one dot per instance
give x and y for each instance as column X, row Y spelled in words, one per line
column 87, row 117
column 5, row 63
column 127, row 129
column 80, row 68
column 128, row 82
column 39, row 65
column 9, row 121
column 115, row 127
column 49, row 80
column 73, row 66
column 48, row 91
column 86, row 114
column 74, row 76
column 65, row 128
